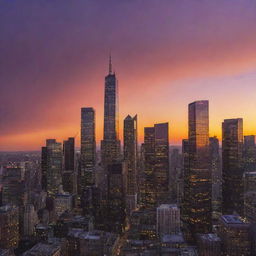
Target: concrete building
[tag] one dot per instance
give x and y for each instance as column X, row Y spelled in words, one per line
column 168, row 219
column 234, row 234
column 209, row 245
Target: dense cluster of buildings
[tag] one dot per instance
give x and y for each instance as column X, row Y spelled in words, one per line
column 131, row 200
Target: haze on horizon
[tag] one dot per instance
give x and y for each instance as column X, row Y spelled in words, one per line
column 166, row 54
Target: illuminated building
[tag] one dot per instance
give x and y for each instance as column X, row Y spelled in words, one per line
column 215, row 166
column 44, row 249
column 110, row 145
column 147, row 188
column 155, row 185
column 44, row 168
column 185, row 195
column 176, row 176
column 234, row 234
column 69, row 154
column 199, row 175
column 161, row 167
column 9, row 227
column 52, row 157
column 95, row 242
column 168, row 219
column 88, row 148
column 130, row 157
column 209, row 245
column 250, row 196
column 13, row 190
column 62, row 202
column 232, row 166
column 69, row 176
column 249, row 153
column 116, row 215
column 91, row 203
column 30, row 220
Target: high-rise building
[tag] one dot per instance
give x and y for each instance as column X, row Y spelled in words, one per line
column 13, row 186
column 69, row 154
column 30, row 220
column 69, row 174
column 110, row 145
column 185, row 194
column 117, row 180
column 9, row 227
column 130, row 157
column 176, row 176
column 88, row 149
column 199, row 177
column 49, row 249
column 215, row 167
column 235, row 236
column 209, row 245
column 155, row 178
column 147, row 188
column 250, row 196
column 62, row 202
column 232, row 166
column 53, row 157
column 168, row 219
column 44, row 168
column 249, row 153
column 161, row 168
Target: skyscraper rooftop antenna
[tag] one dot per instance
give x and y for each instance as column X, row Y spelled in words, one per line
column 110, row 64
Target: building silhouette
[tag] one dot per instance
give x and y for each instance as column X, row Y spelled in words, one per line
column 88, row 149
column 199, row 175
column 232, row 164
column 130, row 157
column 110, row 145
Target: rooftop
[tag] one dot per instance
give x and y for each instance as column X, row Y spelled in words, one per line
column 42, row 250
column 232, row 219
column 209, row 237
column 168, row 206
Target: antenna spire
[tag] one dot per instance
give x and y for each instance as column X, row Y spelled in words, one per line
column 110, row 64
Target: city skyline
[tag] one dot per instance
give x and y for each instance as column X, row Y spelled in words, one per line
column 160, row 71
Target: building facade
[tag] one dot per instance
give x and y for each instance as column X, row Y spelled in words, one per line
column 199, row 175
column 232, row 166
column 130, row 157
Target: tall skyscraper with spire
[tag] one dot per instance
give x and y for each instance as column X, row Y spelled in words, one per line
column 110, row 145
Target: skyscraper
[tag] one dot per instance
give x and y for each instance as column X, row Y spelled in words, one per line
column 161, row 168
column 199, row 176
column 44, row 168
column 69, row 154
column 232, row 172
column 249, row 153
column 117, row 181
column 69, row 174
column 185, row 195
column 130, row 156
column 110, row 145
column 147, row 188
column 155, row 185
column 235, row 235
column 168, row 219
column 9, row 227
column 54, row 166
column 88, row 148
column 215, row 166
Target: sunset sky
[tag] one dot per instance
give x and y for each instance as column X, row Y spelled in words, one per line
column 166, row 54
